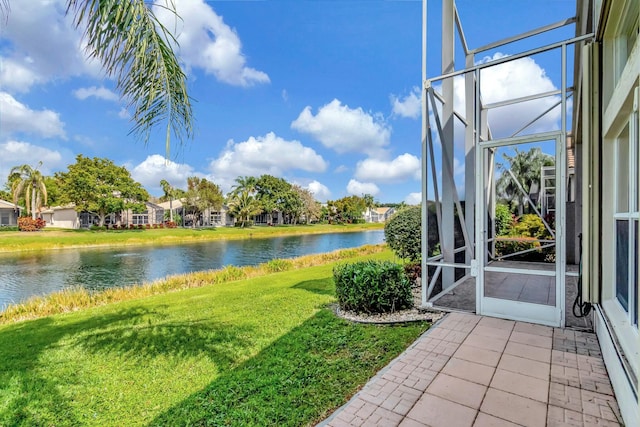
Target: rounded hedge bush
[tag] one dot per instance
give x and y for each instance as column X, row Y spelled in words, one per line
column 403, row 234
column 372, row 287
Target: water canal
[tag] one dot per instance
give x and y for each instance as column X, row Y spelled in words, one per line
column 28, row 274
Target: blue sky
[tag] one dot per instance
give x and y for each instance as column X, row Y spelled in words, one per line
column 321, row 93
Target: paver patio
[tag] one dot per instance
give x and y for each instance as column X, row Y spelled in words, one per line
column 470, row 370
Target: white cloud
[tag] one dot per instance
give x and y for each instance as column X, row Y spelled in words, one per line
column 344, row 129
column 358, row 188
column 17, row 117
column 341, row 169
column 124, row 114
column 320, row 191
column 514, row 79
column 207, row 42
column 15, row 153
column 97, row 92
column 269, row 154
column 410, row 106
column 413, row 198
column 402, row 168
column 156, row 168
column 42, row 45
column 17, row 77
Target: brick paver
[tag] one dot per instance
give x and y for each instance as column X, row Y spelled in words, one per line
column 471, row 370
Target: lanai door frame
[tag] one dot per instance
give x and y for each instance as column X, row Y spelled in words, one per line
column 552, row 315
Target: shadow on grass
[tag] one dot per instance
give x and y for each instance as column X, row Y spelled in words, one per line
column 297, row 380
column 323, row 286
column 29, row 395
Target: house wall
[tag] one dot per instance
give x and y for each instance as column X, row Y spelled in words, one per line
column 611, row 192
column 62, row 218
column 8, row 217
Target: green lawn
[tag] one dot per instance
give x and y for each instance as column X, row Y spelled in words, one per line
column 261, row 351
column 12, row 241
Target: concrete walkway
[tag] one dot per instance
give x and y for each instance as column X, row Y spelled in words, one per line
column 470, row 370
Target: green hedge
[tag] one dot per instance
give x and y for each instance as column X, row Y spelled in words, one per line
column 372, row 287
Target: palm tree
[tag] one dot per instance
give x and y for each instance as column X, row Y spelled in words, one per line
column 169, row 194
column 136, row 49
column 243, row 206
column 369, row 203
column 526, row 166
column 244, row 183
column 30, row 183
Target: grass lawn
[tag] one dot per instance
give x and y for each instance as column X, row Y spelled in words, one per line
column 260, row 351
column 13, row 241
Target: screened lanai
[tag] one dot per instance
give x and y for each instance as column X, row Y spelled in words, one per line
column 500, row 234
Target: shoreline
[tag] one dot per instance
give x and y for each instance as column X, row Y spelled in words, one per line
column 69, row 239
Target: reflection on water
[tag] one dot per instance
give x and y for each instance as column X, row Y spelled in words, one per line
column 24, row 275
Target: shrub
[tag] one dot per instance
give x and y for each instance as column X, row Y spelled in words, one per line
column 170, row 224
column 244, row 224
column 277, row 265
column 413, row 270
column 528, row 229
column 403, row 233
column 372, row 287
column 28, row 224
column 504, row 220
column 98, row 228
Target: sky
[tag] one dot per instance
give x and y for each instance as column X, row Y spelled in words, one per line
column 325, row 94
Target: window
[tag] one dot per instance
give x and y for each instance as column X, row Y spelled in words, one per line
column 626, row 218
column 627, row 37
column 141, row 218
column 5, row 218
column 215, row 218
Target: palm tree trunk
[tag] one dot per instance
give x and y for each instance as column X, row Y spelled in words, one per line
column 33, row 201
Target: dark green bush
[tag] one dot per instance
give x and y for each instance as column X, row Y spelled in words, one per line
column 403, row 234
column 244, row 224
column 504, row 220
column 372, row 287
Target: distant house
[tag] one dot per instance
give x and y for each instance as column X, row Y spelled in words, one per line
column 153, row 214
column 210, row 217
column 276, row 218
column 380, row 214
column 9, row 213
column 218, row 217
column 61, row 217
column 175, row 206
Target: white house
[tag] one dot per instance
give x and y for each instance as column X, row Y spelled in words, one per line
column 9, row 213
column 380, row 214
column 61, row 217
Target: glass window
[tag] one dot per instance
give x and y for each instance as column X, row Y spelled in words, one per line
column 626, row 38
column 634, row 275
column 622, row 263
column 622, row 171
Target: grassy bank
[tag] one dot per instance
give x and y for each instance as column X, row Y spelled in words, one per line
column 263, row 350
column 14, row 241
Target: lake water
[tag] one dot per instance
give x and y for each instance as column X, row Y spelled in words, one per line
column 28, row 274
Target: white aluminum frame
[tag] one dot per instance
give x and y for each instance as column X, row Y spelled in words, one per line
column 518, row 310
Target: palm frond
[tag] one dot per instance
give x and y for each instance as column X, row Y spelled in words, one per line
column 135, row 48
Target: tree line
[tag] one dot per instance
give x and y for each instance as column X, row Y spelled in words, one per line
column 99, row 186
